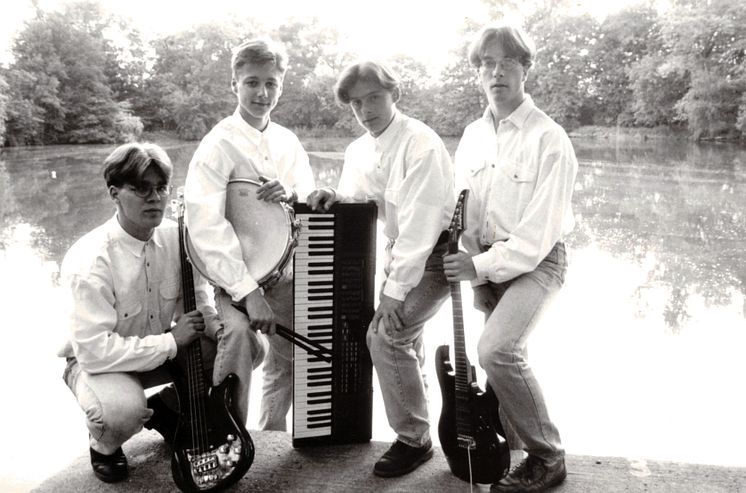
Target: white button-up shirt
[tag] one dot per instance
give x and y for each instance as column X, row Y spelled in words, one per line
column 235, row 149
column 521, row 179
column 124, row 294
column 408, row 173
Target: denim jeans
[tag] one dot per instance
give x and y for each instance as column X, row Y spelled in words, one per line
column 277, row 388
column 115, row 404
column 399, row 357
column 512, row 310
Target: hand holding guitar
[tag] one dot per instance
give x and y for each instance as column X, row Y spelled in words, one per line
column 189, row 327
column 459, row 267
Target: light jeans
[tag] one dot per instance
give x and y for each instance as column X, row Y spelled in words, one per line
column 512, row 310
column 399, row 357
column 277, row 388
column 115, row 404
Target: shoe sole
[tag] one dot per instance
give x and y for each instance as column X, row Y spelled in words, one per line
column 111, row 479
column 401, row 472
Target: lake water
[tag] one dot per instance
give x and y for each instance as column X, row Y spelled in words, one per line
column 640, row 355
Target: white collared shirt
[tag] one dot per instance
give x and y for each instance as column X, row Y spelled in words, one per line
column 235, row 149
column 124, row 294
column 408, row 173
column 521, row 180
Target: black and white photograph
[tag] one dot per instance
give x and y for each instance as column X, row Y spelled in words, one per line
column 373, row 246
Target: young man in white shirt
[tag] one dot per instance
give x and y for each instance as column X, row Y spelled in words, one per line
column 403, row 166
column 249, row 145
column 520, row 167
column 126, row 314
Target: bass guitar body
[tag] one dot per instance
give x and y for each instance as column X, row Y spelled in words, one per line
column 484, row 456
column 214, row 456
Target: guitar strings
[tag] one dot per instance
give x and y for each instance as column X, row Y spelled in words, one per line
column 195, row 372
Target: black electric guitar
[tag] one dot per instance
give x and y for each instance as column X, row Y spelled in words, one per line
column 471, row 435
column 212, row 449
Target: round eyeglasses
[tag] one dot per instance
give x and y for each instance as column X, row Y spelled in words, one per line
column 503, row 64
column 144, row 191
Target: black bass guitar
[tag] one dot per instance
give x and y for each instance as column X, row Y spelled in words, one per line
column 212, row 449
column 470, row 432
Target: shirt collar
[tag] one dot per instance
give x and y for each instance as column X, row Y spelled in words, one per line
column 392, row 131
column 519, row 115
column 130, row 243
column 254, row 135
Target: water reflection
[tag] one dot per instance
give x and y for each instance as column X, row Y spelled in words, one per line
column 651, row 317
column 676, row 209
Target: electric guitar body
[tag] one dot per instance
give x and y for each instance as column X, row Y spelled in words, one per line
column 213, row 454
column 469, row 428
column 489, row 457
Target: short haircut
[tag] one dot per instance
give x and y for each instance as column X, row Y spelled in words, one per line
column 128, row 163
column 367, row 71
column 259, row 52
column 513, row 40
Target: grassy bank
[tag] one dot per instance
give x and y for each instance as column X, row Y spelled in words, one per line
column 629, row 133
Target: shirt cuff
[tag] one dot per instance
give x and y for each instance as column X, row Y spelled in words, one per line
column 483, row 266
column 242, row 289
column 171, row 347
column 395, row 290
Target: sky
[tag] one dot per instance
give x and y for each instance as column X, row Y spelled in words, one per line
column 424, row 29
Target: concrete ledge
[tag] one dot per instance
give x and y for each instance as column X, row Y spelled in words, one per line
column 278, row 467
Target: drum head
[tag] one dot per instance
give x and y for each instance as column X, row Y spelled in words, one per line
column 264, row 231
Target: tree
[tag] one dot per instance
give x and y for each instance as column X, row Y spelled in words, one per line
column 189, row 89
column 4, row 90
column 657, row 86
column 59, row 84
column 561, row 81
column 623, row 39
column 307, row 97
column 707, row 41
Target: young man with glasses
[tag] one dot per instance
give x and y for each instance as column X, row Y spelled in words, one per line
column 520, row 168
column 126, row 316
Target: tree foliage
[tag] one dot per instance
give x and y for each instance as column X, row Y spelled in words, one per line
column 81, row 75
column 60, row 89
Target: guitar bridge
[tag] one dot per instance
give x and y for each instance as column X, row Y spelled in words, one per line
column 467, row 442
column 210, row 468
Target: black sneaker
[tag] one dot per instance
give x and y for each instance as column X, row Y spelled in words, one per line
column 532, row 475
column 401, row 458
column 109, row 468
column 163, row 420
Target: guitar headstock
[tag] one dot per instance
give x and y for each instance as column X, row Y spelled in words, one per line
column 458, row 221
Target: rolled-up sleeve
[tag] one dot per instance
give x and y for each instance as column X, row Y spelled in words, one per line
column 210, row 232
